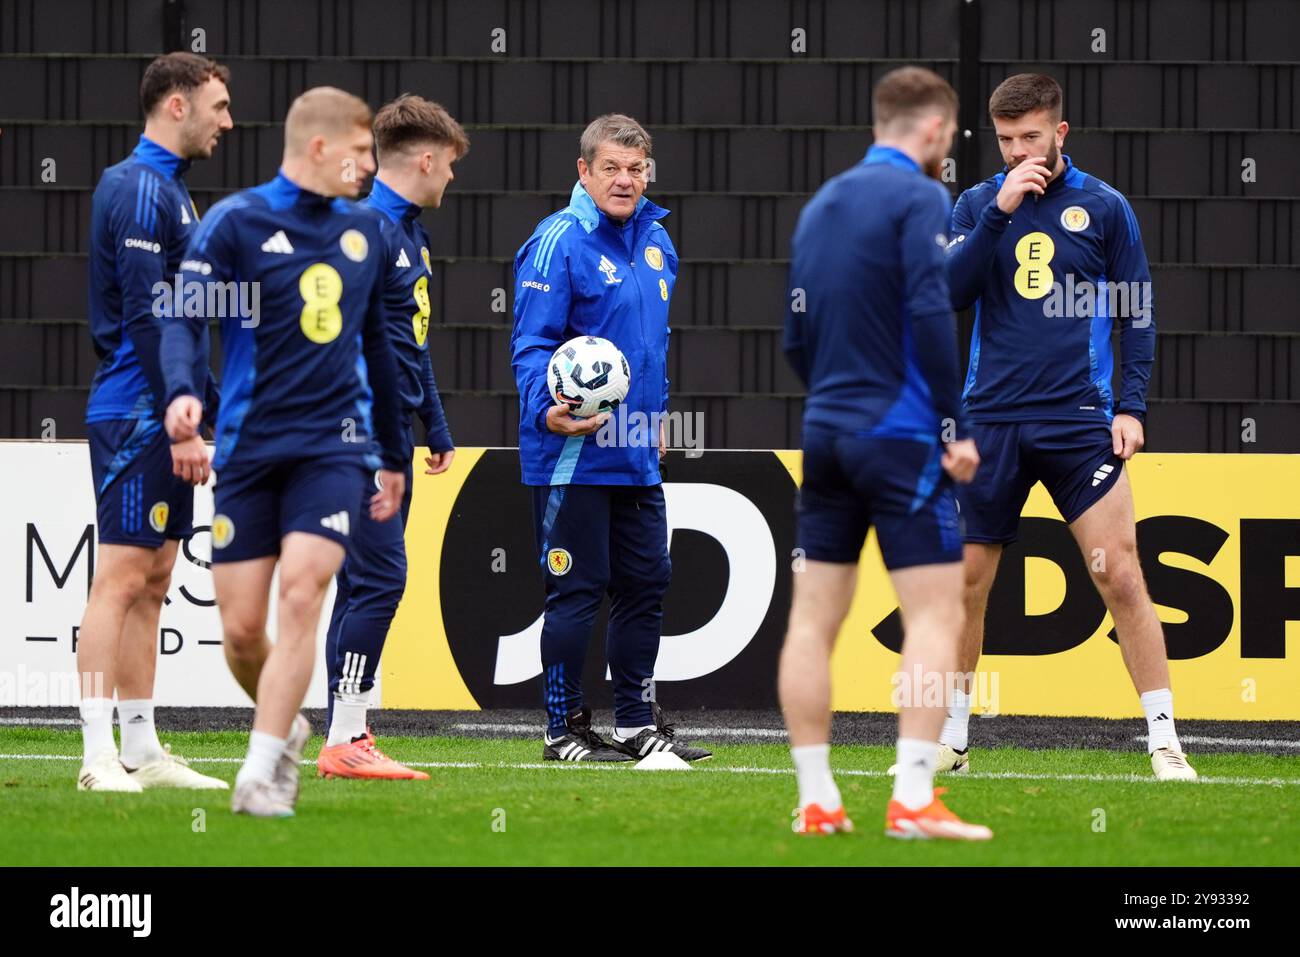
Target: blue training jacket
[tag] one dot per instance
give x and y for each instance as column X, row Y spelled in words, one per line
column 868, row 325
column 407, row 305
column 1048, row 282
column 580, row 274
column 296, row 279
column 141, row 220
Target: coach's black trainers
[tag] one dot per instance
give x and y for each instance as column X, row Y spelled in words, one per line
column 656, row 739
column 581, row 743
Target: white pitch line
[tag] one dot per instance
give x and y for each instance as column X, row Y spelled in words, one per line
column 77, row 757
column 692, row 732
column 856, row 772
column 1234, row 742
column 723, row 769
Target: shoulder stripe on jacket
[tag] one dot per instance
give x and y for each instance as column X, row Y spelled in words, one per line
column 152, row 207
column 541, row 243
column 146, row 196
column 1129, row 216
column 215, row 216
column 542, row 261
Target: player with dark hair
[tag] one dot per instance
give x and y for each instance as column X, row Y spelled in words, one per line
column 142, row 219
column 870, row 330
column 417, row 141
column 300, row 415
column 1038, row 389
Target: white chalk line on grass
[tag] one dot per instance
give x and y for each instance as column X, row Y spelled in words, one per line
column 724, row 769
column 690, row 732
column 707, row 733
column 484, row 726
column 1233, row 742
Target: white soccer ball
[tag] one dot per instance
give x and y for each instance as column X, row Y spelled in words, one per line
column 589, row 375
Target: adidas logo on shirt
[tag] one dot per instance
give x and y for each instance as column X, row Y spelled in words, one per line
column 338, row 522
column 1099, row 476
column 402, row 261
column 279, row 243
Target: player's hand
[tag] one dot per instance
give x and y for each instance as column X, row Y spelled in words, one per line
column 439, row 462
column 183, row 418
column 559, row 420
column 190, row 460
column 1029, row 176
column 1127, row 436
column 385, row 503
column 663, row 441
column 960, row 460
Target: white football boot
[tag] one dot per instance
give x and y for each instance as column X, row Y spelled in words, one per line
column 259, row 799
column 286, row 770
column 105, row 773
column 948, row 761
column 173, row 771
column 952, row 761
column 1171, row 765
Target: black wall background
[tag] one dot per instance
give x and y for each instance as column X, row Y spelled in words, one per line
column 745, row 130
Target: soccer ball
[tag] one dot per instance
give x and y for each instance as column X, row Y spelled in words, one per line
column 589, row 375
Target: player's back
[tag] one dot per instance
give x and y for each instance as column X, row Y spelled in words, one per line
column 303, row 268
column 853, row 249
column 105, row 312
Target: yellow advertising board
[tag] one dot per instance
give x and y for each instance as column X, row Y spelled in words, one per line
column 1220, row 542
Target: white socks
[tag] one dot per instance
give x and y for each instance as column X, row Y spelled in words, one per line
column 96, row 727
column 264, row 751
column 140, row 743
column 816, row 785
column 624, row 733
column 914, row 780
column 1159, row 708
column 349, row 719
column 957, row 724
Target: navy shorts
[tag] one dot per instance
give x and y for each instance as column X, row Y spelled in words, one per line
column 138, row 500
column 257, row 505
column 852, row 482
column 1075, row 461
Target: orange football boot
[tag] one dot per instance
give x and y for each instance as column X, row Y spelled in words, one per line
column 361, row 759
column 812, row 819
column 934, row 820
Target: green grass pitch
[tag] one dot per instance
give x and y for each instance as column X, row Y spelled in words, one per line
column 490, row 802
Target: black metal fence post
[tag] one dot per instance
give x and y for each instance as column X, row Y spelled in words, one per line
column 173, row 26
column 969, row 94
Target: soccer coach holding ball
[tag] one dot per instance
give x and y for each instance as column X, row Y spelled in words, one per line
column 602, row 266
